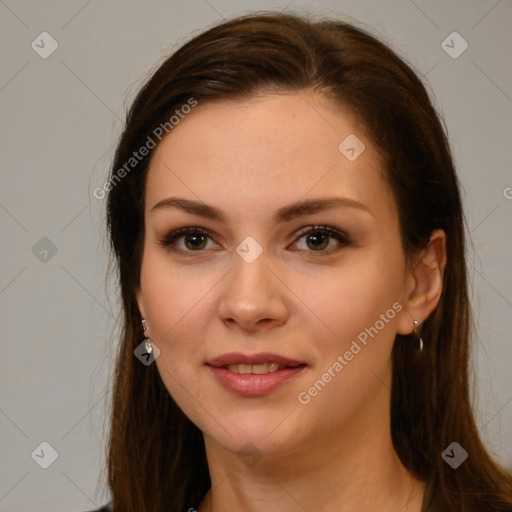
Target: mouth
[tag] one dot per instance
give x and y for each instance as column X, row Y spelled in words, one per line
column 254, row 375
column 257, row 363
column 255, row 369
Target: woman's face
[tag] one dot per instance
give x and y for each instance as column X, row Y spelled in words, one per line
column 270, row 335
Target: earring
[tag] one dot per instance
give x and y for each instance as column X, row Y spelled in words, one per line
column 147, row 344
column 417, row 328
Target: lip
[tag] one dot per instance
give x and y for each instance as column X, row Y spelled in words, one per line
column 260, row 358
column 252, row 385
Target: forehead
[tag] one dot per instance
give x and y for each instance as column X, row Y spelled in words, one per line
column 269, row 150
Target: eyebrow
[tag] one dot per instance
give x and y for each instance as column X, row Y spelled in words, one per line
column 283, row 214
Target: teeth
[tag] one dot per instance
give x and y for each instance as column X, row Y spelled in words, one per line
column 273, row 367
column 260, row 369
column 256, row 369
column 244, row 368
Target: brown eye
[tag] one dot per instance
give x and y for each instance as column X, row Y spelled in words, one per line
column 195, row 240
column 317, row 239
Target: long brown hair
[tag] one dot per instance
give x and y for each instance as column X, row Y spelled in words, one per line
column 156, row 458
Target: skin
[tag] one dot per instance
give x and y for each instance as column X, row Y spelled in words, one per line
column 248, row 158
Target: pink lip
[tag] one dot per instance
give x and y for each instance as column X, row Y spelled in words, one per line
column 251, row 384
column 263, row 357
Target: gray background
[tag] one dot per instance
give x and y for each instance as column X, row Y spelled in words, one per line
column 61, row 117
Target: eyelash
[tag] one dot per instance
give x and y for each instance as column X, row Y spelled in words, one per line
column 169, row 241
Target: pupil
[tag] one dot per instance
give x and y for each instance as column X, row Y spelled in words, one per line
column 194, row 239
column 317, row 237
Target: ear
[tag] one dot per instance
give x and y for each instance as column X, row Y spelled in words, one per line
column 423, row 284
column 140, row 303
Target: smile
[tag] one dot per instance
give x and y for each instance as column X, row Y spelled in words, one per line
column 256, row 369
column 253, row 375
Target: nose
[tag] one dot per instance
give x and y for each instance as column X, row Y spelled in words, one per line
column 253, row 296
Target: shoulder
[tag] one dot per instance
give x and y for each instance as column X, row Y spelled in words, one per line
column 105, row 508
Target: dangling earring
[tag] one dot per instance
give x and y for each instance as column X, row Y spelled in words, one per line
column 417, row 328
column 147, row 344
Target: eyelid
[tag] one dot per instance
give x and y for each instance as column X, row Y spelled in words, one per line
column 168, row 241
column 323, row 228
column 342, row 237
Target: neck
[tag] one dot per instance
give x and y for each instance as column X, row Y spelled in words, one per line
column 358, row 472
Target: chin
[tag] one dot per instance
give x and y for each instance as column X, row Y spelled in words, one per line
column 265, row 433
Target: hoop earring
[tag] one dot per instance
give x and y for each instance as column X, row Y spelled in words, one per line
column 417, row 328
column 147, row 340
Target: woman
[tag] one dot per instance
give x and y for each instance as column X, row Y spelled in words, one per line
column 286, row 220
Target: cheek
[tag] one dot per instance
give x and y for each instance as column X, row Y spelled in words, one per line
column 176, row 304
column 174, row 298
column 352, row 374
column 352, row 297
